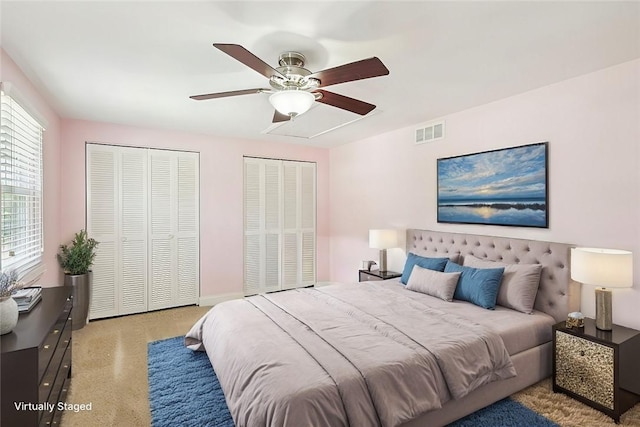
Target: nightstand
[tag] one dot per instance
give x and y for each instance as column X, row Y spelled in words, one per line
column 598, row 368
column 366, row 275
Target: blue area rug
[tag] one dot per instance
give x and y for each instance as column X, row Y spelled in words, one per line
column 504, row 413
column 184, row 391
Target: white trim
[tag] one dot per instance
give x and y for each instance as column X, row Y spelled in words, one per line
column 211, row 300
column 12, row 91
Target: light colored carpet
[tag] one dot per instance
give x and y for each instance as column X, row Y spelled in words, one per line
column 109, row 368
column 110, row 372
column 568, row 412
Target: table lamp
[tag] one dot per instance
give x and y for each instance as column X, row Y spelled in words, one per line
column 383, row 240
column 608, row 268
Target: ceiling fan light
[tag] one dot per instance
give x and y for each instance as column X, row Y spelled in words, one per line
column 292, row 102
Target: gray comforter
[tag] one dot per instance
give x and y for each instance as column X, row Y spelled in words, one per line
column 359, row 355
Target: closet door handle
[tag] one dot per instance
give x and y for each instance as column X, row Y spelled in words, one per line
column 171, row 236
column 124, row 239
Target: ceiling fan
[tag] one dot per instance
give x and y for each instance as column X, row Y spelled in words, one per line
column 294, row 88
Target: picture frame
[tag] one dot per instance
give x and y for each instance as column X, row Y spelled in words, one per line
column 507, row 186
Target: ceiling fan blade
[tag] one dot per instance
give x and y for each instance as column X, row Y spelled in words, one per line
column 363, row 69
column 247, row 58
column 344, row 102
column 279, row 117
column 225, row 94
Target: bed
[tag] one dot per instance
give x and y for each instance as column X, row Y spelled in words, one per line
column 376, row 353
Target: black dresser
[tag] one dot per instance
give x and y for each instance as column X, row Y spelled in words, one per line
column 36, row 362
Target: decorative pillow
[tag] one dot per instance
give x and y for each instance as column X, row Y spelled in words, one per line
column 436, row 264
column 519, row 286
column 434, row 283
column 476, row 285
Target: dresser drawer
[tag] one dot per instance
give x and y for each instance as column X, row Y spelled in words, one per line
column 57, row 354
column 366, row 277
column 47, row 349
column 57, row 415
column 58, row 390
column 585, row 368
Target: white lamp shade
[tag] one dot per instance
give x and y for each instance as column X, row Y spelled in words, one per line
column 610, row 268
column 292, row 102
column 383, row 239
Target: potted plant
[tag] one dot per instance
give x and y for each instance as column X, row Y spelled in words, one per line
column 76, row 260
column 8, row 306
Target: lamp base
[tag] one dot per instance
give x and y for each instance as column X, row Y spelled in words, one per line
column 383, row 260
column 603, row 309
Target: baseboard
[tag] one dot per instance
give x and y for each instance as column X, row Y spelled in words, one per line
column 210, row 300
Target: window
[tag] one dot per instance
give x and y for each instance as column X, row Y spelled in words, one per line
column 20, row 189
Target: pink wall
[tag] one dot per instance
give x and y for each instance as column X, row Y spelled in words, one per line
column 592, row 124
column 9, row 72
column 221, row 178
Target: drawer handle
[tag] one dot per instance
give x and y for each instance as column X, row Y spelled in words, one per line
column 46, row 384
column 66, row 341
column 46, row 347
column 55, row 331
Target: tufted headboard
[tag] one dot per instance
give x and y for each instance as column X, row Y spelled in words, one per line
column 557, row 296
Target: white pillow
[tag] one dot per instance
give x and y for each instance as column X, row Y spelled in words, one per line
column 434, row 283
column 519, row 285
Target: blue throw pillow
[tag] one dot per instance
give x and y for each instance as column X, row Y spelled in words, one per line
column 436, row 264
column 479, row 286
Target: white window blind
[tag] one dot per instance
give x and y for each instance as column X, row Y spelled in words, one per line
column 20, row 189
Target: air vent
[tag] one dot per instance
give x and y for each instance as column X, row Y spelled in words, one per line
column 430, row 132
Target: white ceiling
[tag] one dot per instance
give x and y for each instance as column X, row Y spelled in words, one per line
column 137, row 62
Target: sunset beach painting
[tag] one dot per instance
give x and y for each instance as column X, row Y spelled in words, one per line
column 499, row 187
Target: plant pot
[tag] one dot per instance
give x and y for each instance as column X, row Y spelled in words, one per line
column 81, row 284
column 8, row 315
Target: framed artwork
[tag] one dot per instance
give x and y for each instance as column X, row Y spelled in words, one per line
column 508, row 186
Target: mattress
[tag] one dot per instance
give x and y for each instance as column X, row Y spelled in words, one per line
column 371, row 352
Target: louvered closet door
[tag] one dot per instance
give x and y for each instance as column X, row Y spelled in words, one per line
column 163, row 266
column 174, row 276
column 279, row 224
column 132, row 264
column 252, row 218
column 187, row 229
column 307, row 199
column 117, row 219
column 299, row 205
column 102, row 225
column 262, row 225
